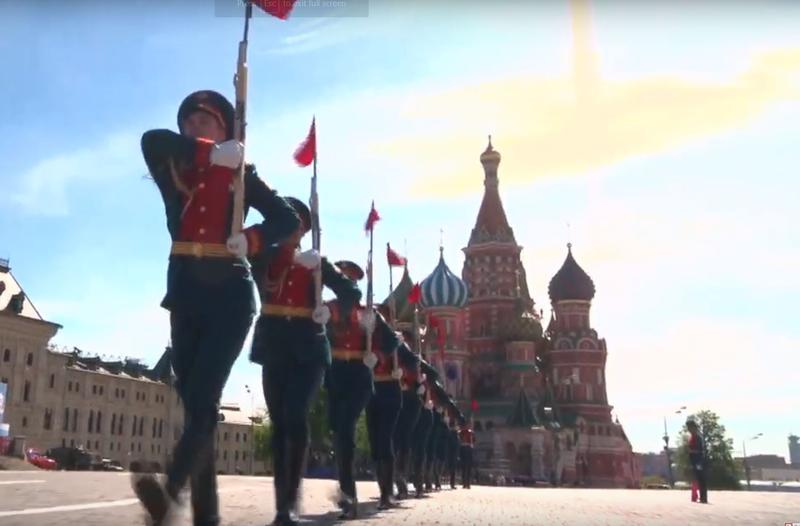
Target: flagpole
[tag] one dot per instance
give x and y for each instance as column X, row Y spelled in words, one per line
column 369, row 311
column 316, row 230
column 392, row 304
column 240, row 124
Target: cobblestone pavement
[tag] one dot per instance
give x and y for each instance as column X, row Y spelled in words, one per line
column 69, row 498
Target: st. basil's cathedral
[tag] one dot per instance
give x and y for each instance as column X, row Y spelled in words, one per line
column 536, row 397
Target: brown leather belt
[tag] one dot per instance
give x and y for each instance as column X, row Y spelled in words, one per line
column 346, row 355
column 285, row 310
column 200, row 250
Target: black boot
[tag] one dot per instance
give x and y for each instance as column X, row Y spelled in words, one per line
column 347, row 485
column 400, row 475
column 390, row 483
column 154, row 498
column 294, row 475
column 380, row 476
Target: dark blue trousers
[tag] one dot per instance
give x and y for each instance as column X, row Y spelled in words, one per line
column 206, row 341
column 419, row 439
column 382, row 411
column 349, row 385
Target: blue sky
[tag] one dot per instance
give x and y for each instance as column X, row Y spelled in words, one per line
column 674, row 161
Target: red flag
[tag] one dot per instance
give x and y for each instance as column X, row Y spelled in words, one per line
column 307, row 150
column 395, row 259
column 372, row 218
column 415, row 295
column 277, row 8
column 474, row 406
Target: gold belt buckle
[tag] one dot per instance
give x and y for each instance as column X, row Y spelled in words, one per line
column 197, row 250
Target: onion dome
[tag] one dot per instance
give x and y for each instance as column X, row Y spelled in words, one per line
column 571, row 282
column 521, row 328
column 443, row 288
column 404, row 311
column 490, row 155
column 523, row 325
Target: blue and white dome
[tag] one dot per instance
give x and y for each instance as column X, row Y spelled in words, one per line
column 443, row 288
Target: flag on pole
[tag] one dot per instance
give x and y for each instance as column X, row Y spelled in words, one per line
column 372, row 218
column 474, row 406
column 305, row 153
column 415, row 295
column 395, row 259
column 277, row 8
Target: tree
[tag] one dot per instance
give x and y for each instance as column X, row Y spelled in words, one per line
column 722, row 472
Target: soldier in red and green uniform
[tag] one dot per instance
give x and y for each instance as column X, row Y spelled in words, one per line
column 349, row 385
column 291, row 344
column 453, row 445
column 411, row 387
column 467, row 438
column 422, row 429
column 386, row 402
column 436, row 440
column 209, row 284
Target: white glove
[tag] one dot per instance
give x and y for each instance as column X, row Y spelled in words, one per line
column 237, row 245
column 371, row 360
column 397, row 374
column 429, row 405
column 321, row 314
column 421, row 390
column 229, row 154
column 309, row 259
column 367, row 320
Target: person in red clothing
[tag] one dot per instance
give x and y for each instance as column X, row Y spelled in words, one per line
column 291, row 345
column 348, row 382
column 467, row 438
column 697, row 457
column 209, row 283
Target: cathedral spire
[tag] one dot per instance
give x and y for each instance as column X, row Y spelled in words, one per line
column 492, row 224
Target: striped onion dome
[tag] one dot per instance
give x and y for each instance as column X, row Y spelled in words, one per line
column 443, row 288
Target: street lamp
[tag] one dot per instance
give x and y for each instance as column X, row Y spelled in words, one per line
column 666, row 447
column 744, row 459
column 252, row 429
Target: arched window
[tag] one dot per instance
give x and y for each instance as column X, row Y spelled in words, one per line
column 26, row 393
column 7, row 355
column 91, row 421
column 29, row 359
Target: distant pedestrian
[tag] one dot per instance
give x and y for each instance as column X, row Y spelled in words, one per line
column 697, row 457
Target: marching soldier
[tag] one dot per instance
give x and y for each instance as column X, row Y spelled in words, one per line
column 434, row 452
column 349, row 385
column 406, row 422
column 452, row 447
column 290, row 343
column 209, row 285
column 384, row 406
column 422, row 429
column 467, row 438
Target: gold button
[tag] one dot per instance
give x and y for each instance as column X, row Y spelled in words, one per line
column 289, row 283
column 202, row 209
column 201, row 186
column 202, row 231
column 290, row 301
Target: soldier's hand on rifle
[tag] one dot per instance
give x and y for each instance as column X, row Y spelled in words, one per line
column 370, row 360
column 367, row 320
column 421, row 389
column 229, row 154
column 309, row 259
column 321, row 314
column 237, row 245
